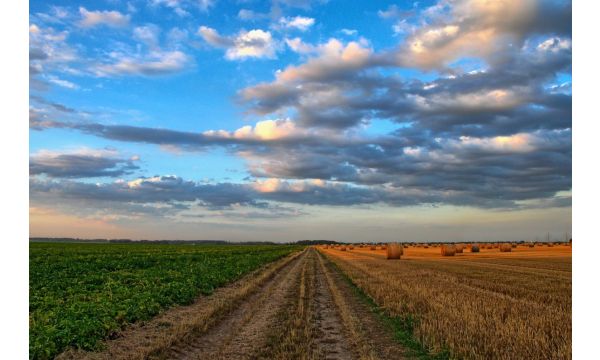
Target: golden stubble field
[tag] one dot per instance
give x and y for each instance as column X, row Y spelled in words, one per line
column 491, row 304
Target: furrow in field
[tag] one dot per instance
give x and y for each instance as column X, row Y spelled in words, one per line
column 244, row 332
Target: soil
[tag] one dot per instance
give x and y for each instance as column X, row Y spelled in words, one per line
column 300, row 307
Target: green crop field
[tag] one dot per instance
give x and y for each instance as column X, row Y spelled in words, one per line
column 80, row 294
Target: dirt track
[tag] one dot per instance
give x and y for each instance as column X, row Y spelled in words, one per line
column 297, row 308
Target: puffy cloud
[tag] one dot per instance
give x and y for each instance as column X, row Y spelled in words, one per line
column 91, row 19
column 495, row 137
column 263, row 130
column 82, row 163
column 246, row 44
column 297, row 22
column 254, row 43
column 479, row 28
column 335, row 58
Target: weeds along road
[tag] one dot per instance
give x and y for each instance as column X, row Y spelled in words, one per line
column 297, row 308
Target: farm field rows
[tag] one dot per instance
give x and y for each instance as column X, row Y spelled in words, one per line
column 476, row 305
column 273, row 302
column 83, row 293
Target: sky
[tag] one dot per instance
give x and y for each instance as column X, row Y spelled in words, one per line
column 285, row 120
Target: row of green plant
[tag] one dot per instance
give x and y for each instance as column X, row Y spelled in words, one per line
column 80, row 294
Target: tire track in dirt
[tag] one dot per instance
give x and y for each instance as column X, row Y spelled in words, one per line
column 244, row 331
column 313, row 327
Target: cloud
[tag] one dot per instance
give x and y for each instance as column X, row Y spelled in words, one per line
column 166, row 189
column 83, row 163
column 250, row 15
column 212, row 37
column 147, row 34
column 393, row 11
column 50, row 53
column 349, row 32
column 408, row 167
column 91, row 19
column 183, row 7
column 62, row 82
column 490, row 129
column 246, row 44
column 263, row 130
column 156, row 63
column 204, row 5
column 483, row 29
column 298, row 22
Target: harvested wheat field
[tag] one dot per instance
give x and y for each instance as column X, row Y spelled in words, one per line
column 484, row 305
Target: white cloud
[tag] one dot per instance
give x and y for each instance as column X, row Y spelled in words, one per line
column 349, row 32
column 254, row 43
column 297, row 45
column 212, row 37
column 334, row 57
column 392, row 12
column 298, row 22
column 245, row 14
column 109, row 18
column 467, row 28
column 555, row 44
column 147, row 34
column 263, row 130
column 157, row 63
column 180, row 6
column 246, row 44
column 61, row 82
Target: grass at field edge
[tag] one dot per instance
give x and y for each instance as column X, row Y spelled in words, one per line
column 401, row 327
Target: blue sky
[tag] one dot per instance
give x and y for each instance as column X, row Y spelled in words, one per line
column 293, row 119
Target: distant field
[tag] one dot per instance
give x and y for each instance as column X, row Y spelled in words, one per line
column 82, row 293
column 514, row 305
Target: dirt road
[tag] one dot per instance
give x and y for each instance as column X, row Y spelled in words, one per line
column 297, row 308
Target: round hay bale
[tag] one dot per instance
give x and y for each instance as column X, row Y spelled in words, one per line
column 350, row 247
column 459, row 248
column 505, row 247
column 426, row 246
column 394, row 251
column 513, row 245
column 343, row 248
column 531, row 245
column 373, row 247
column 448, row 250
column 474, row 248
